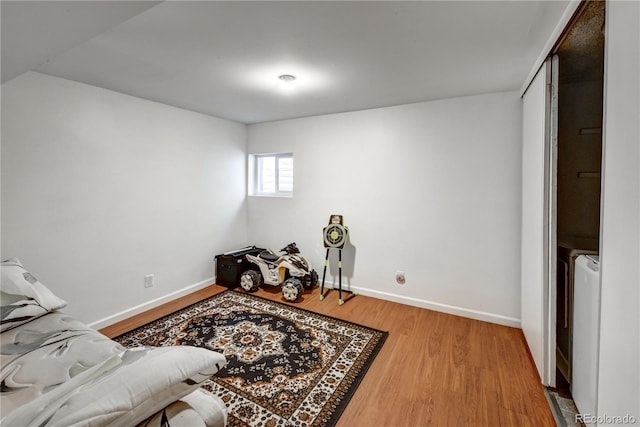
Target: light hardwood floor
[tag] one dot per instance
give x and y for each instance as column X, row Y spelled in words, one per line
column 434, row 369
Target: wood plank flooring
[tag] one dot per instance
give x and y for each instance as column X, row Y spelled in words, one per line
column 434, row 369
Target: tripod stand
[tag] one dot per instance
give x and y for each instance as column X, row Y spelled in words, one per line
column 335, row 237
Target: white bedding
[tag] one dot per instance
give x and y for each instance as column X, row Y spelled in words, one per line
column 55, row 371
column 58, row 372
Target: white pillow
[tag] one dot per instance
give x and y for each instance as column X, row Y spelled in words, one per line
column 22, row 297
column 200, row 408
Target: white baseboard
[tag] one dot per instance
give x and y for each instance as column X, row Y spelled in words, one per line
column 110, row 320
column 435, row 306
column 416, row 302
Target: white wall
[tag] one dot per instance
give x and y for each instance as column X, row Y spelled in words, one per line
column 619, row 372
column 429, row 188
column 100, row 189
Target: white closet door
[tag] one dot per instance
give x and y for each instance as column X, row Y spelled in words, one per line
column 538, row 303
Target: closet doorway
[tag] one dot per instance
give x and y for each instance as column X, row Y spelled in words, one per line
column 576, row 186
column 561, row 163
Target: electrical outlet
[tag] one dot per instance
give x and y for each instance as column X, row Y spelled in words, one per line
column 400, row 278
column 148, row 280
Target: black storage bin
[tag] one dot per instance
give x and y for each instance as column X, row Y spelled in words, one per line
column 231, row 265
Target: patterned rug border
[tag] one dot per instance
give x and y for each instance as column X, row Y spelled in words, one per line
column 335, row 416
column 244, row 294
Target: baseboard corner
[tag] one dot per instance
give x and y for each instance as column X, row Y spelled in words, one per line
column 140, row 308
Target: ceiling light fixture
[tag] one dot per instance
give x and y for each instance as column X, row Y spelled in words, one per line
column 287, row 81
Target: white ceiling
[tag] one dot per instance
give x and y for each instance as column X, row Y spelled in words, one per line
column 35, row 31
column 223, row 58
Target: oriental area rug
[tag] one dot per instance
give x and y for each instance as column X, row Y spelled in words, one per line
column 285, row 366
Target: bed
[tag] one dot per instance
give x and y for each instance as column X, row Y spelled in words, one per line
column 56, row 371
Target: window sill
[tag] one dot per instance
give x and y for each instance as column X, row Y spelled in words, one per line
column 274, row 195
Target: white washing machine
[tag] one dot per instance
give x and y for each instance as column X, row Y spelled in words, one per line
column 569, row 249
column 586, row 333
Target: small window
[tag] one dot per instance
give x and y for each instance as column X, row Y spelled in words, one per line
column 272, row 174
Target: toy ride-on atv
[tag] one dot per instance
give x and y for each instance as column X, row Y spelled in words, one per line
column 291, row 270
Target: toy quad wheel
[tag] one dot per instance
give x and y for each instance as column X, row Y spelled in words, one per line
column 250, row 280
column 311, row 280
column 292, row 289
